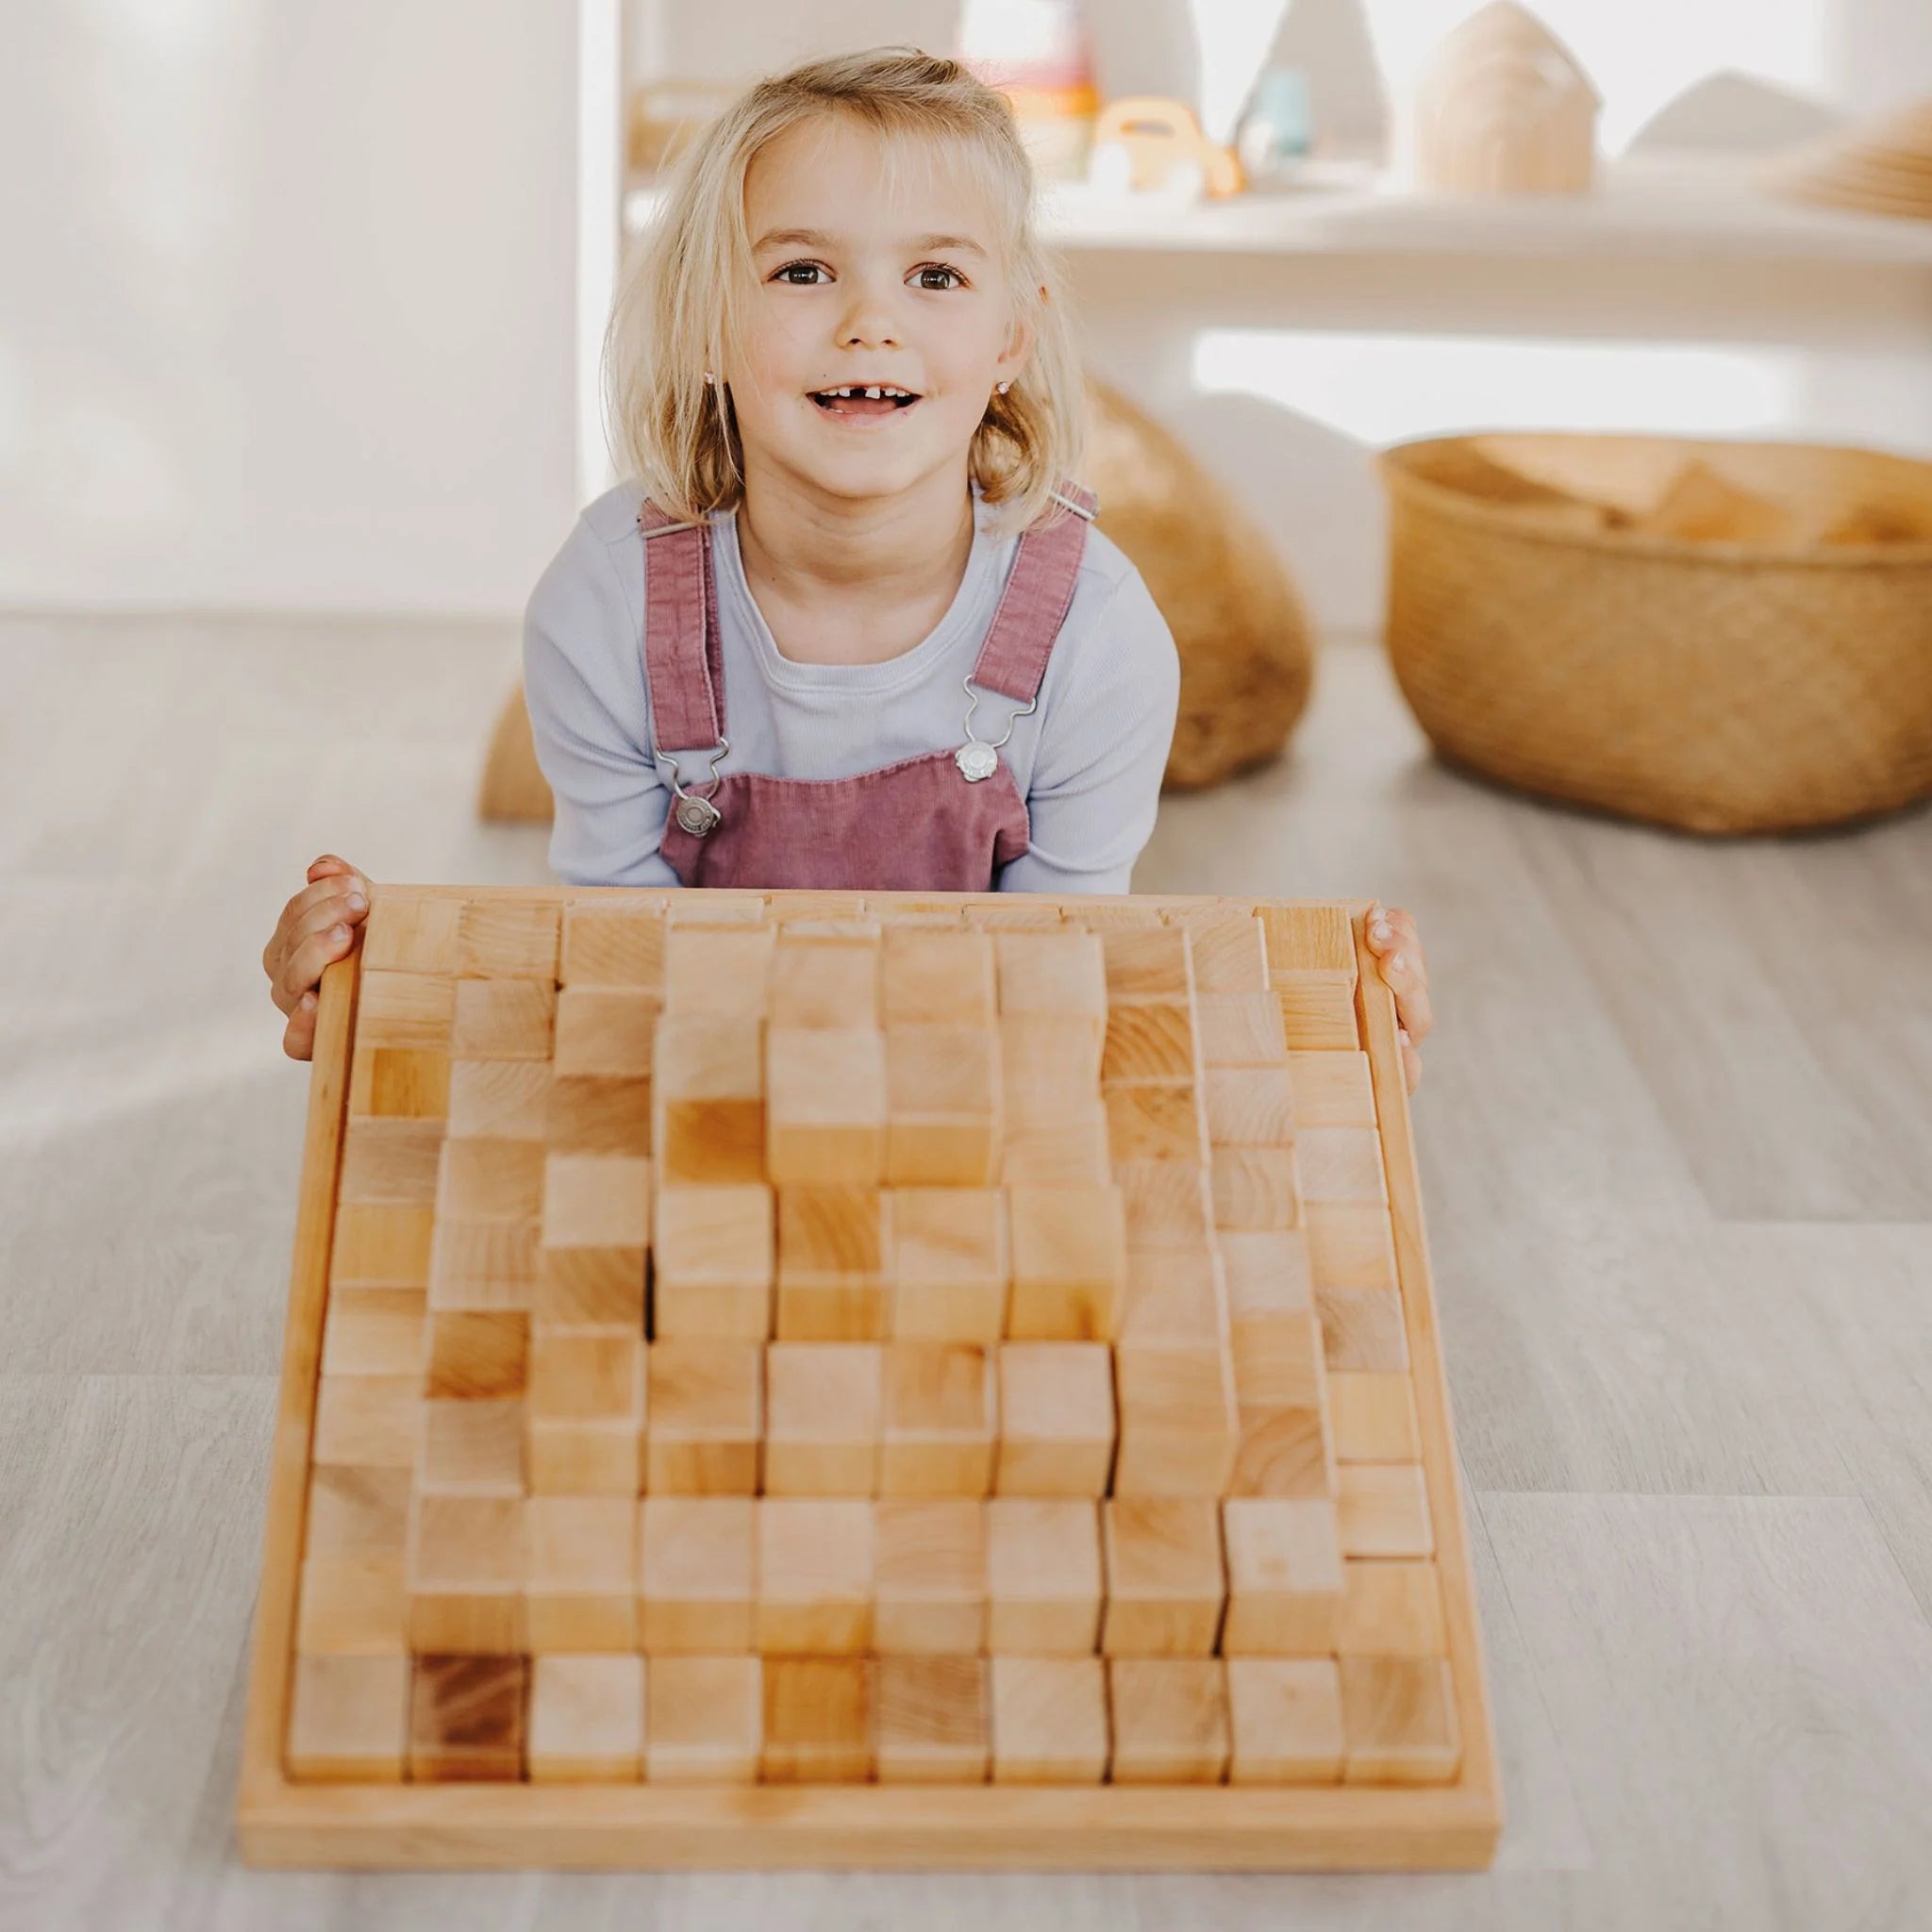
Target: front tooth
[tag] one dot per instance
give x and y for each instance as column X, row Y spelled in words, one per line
column 874, row 394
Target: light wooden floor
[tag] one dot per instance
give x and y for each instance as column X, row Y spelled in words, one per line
column 1676, row 1146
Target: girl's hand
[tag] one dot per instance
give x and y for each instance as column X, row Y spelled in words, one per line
column 321, row 924
column 1399, row 955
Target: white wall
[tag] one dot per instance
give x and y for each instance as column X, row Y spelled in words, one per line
column 286, row 302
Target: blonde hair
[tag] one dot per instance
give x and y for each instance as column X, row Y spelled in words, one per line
column 680, row 302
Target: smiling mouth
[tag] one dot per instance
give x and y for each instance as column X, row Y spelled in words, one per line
column 862, row 402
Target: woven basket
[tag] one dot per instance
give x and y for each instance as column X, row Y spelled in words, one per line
column 1715, row 686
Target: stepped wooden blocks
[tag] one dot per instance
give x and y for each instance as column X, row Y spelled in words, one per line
column 801, row 1378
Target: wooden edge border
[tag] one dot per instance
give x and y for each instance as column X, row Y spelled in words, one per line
column 263, row 1780
column 285, row 1825
column 1376, row 1008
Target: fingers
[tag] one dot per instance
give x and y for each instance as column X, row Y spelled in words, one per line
column 1392, row 938
column 298, row 1036
column 309, row 920
column 1411, row 1061
column 302, row 971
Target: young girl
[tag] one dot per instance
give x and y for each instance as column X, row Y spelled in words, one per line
column 849, row 621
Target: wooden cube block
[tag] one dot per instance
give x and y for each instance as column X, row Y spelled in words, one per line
column 368, row 1421
column 504, row 1019
column 949, row 1267
column 1254, row 1188
column 490, row 1180
column 349, row 1718
column 1178, row 1424
column 466, row 1719
column 612, row 946
column 1373, row 1417
column 706, row 1415
column 1309, row 939
column 1062, row 973
column 580, row 1583
column 825, row 983
column 1241, row 1029
column 351, row 1603
column 1170, row 1720
column 818, row 1720
column 1044, row 1575
column 1049, row 1070
column 833, row 1263
column 585, row 1413
column 1229, row 950
column 499, row 1100
column 1341, row 1165
column 1362, row 1329
column 597, row 1201
column 696, row 1573
column 936, row 978
column 1049, row 1720
column 715, row 906
column 824, row 1105
column 943, row 1106
column 1382, row 1510
column 1390, row 1608
column 931, row 1720
column 356, row 1507
column 1166, row 1204
column 816, row 1566
column 1164, row 1581
column 1267, row 1274
column 471, row 1449
column 1249, row 1106
column 597, row 1290
column 1174, row 1298
column 484, row 1267
column 1154, row 1042
column 474, row 1355
column 373, row 1331
column 1398, row 1719
column 940, row 1417
column 464, row 1573
column 1155, row 1123
column 1332, row 1089
column 403, row 1082
column 1068, row 1152
column 384, row 1244
column 1351, row 1245
column 1284, row 1576
column 1285, row 1721
column 605, row 1030
column 823, row 1407
column 586, row 1720
column 411, row 933
column 394, row 1162
column 1057, row 1419
column 1316, row 1013
column 510, row 938
column 718, row 973
column 1147, row 965
column 1069, row 1258
column 708, row 1090
column 703, row 1720
column 931, row 1589
column 405, row 1009
column 714, row 1263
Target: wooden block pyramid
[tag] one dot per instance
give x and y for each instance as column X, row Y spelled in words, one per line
column 966, row 1361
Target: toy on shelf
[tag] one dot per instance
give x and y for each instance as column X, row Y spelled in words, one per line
column 1037, row 53
column 967, row 1360
column 1144, row 144
column 1504, row 108
column 1882, row 169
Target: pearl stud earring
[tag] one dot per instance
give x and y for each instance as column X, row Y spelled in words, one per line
column 708, row 375
column 1004, row 387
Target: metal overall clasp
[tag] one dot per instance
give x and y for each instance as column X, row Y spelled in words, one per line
column 694, row 810
column 980, row 757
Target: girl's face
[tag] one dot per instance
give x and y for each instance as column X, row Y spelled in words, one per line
column 860, row 280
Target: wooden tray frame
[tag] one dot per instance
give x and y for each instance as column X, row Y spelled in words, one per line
column 281, row 1822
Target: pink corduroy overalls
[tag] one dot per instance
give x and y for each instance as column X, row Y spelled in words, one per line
column 943, row 822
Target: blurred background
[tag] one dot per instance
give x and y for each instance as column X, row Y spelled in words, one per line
column 299, row 311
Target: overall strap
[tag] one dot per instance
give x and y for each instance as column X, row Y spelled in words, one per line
column 1034, row 604
column 683, row 651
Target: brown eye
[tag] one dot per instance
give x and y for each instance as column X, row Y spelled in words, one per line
column 939, row 269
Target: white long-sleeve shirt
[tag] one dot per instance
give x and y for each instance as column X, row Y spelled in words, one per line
column 1088, row 760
